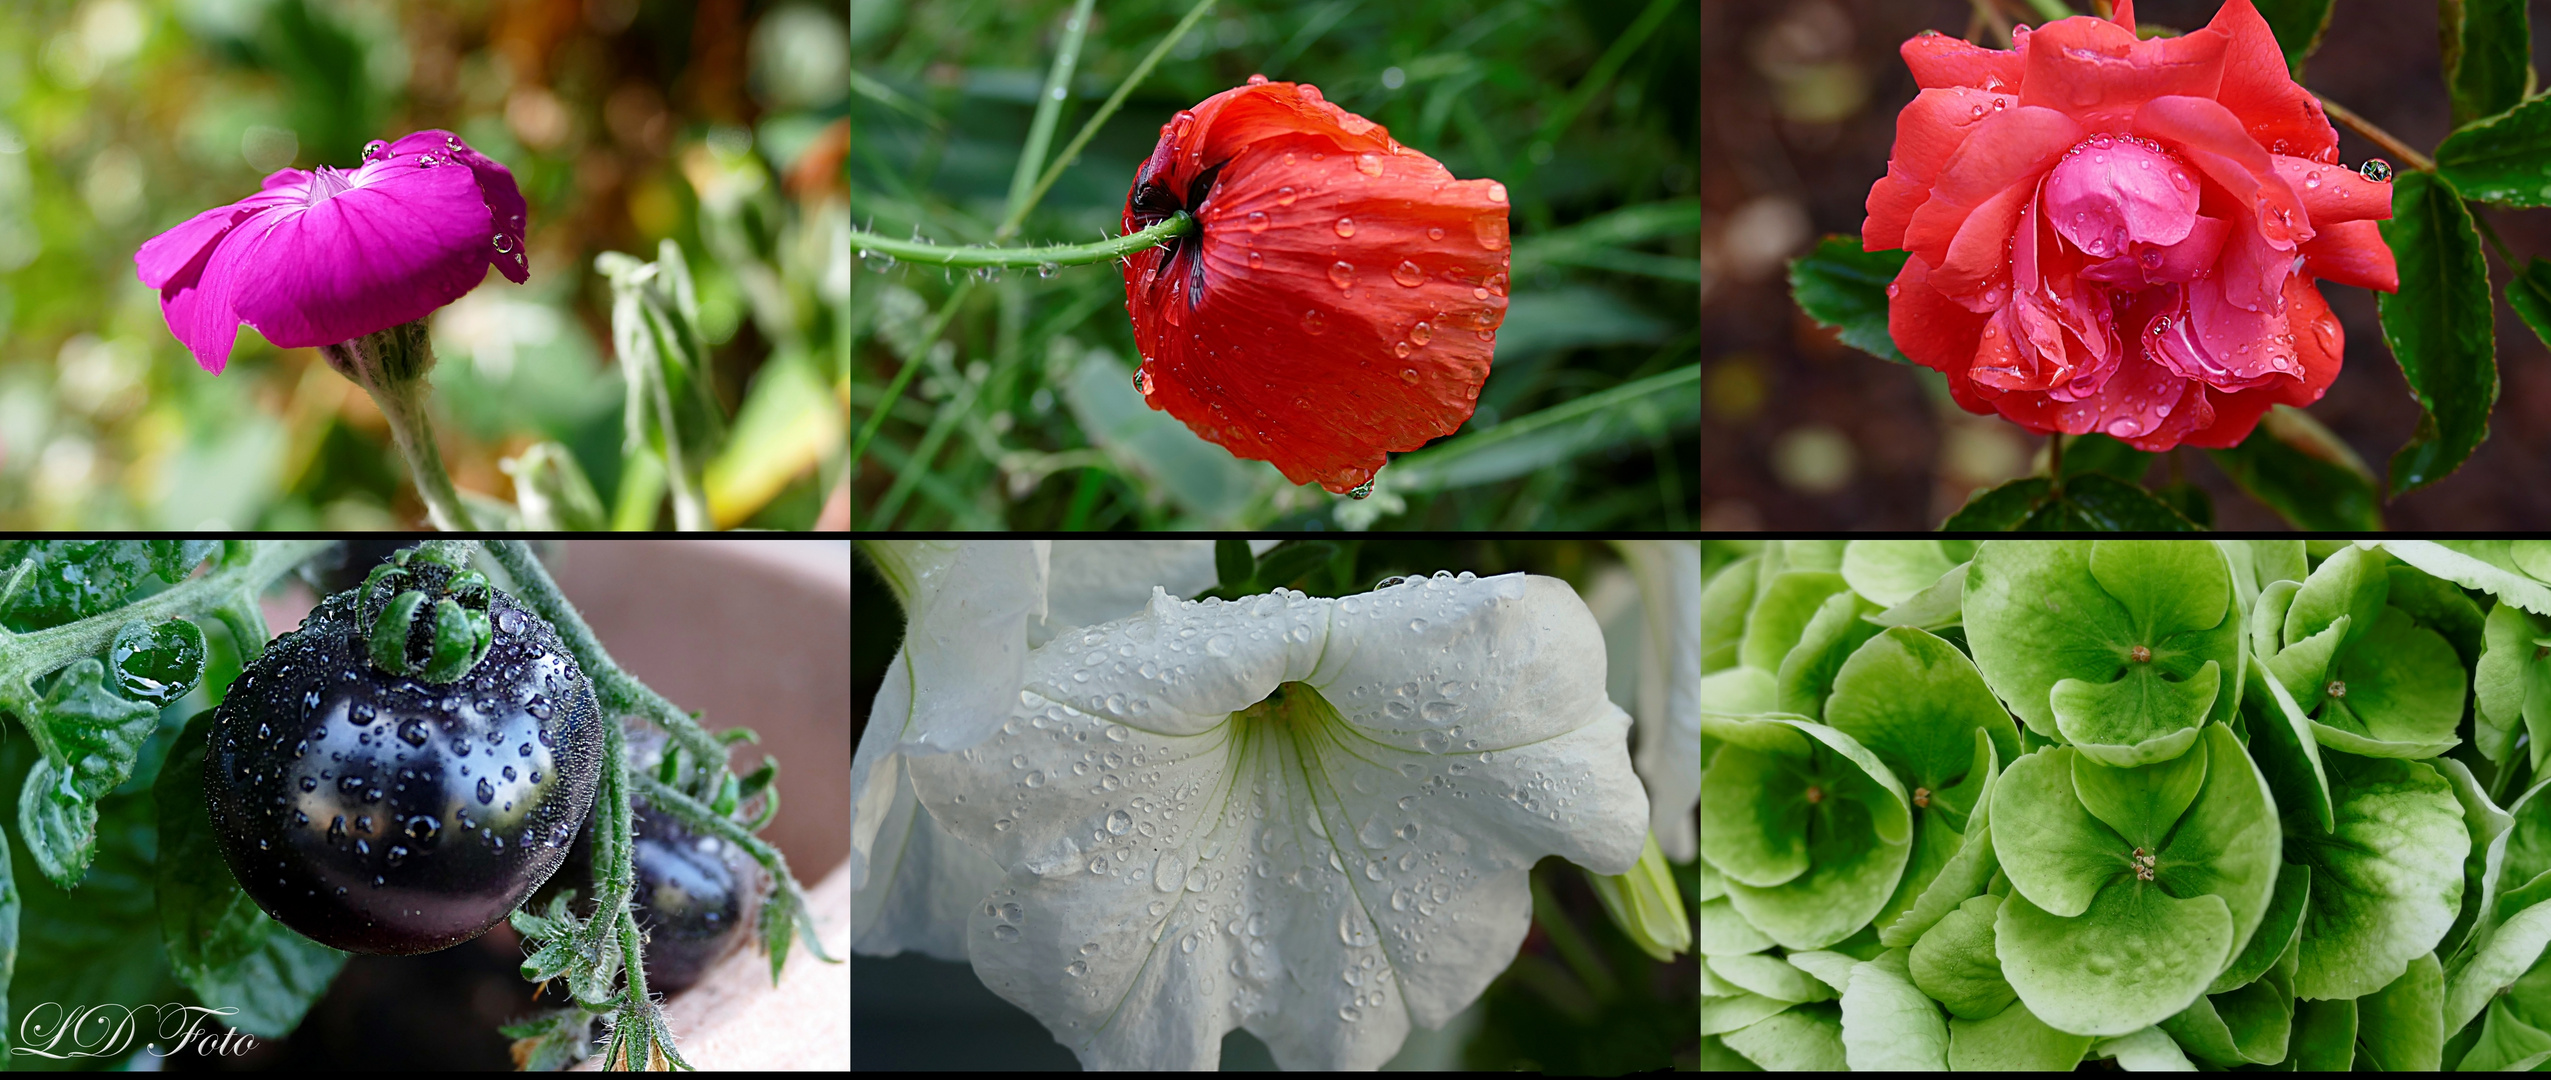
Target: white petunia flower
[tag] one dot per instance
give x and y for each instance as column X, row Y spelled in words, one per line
column 1311, row 818
column 1669, row 685
column 974, row 608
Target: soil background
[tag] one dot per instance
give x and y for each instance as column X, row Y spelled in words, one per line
column 1800, row 431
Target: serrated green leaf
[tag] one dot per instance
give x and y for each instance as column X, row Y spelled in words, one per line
column 2439, row 326
column 2000, row 509
column 2504, row 160
column 2296, row 467
column 2488, row 54
column 1845, row 288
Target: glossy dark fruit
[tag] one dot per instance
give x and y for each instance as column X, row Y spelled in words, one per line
column 697, row 896
column 382, row 813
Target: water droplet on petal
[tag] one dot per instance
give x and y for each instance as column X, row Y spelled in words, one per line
column 1370, row 164
column 1496, row 192
column 1257, row 80
column 1284, row 196
column 1077, row 969
column 2376, row 170
column 372, row 150
column 1314, row 322
column 1434, row 234
column 1362, row 491
column 1005, row 934
column 1407, row 273
column 1142, row 381
column 1342, row 272
column 1346, row 227
column 1257, row 221
column 1255, row 262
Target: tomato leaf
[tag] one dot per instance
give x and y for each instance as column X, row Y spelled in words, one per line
column 1845, row 288
column 2439, row 327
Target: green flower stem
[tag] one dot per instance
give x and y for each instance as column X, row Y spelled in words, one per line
column 1060, row 255
column 1017, row 215
column 1072, row 150
column 1571, row 943
column 618, row 692
column 390, row 365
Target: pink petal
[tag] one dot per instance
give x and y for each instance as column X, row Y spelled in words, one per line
column 174, row 256
column 2103, row 197
column 2224, row 345
column 388, row 252
column 2352, row 253
column 1928, row 132
column 2007, row 150
column 505, row 207
column 2095, row 71
column 1932, row 330
column 2257, row 87
column 2334, row 193
column 1939, row 60
column 200, row 310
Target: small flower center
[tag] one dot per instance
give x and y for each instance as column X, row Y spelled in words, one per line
column 1922, row 796
column 325, row 183
column 2140, row 654
column 2144, row 864
column 1815, row 794
column 2335, row 689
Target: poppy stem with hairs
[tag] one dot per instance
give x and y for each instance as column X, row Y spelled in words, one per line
column 1058, row 255
column 390, row 365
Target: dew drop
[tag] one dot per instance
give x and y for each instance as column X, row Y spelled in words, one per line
column 1258, row 220
column 1341, row 272
column 1046, row 270
column 1434, row 234
column 1005, row 934
column 1255, row 262
column 372, row 151
column 1350, row 1013
column 1314, row 322
column 1407, row 273
column 1496, row 192
column 1002, row 825
column 1346, row 227
column 1077, row 969
column 1370, row 164
column 2376, row 170
column 1362, row 491
column 1119, row 821
column 503, row 243
column 1035, row 779
column 1257, row 80
column 1284, row 196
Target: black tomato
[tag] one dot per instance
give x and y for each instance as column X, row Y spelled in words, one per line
column 697, row 896
column 385, row 813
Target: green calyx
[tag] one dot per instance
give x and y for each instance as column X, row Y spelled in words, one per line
column 454, row 610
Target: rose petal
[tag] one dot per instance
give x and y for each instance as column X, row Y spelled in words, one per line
column 2352, row 253
column 2097, row 72
column 1928, row 133
column 1978, row 269
column 2103, row 197
column 1938, row 60
column 2275, row 112
column 371, row 257
column 2007, row 150
column 2319, row 343
column 2332, row 194
column 1933, row 330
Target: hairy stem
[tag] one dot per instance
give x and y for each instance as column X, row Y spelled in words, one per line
column 1059, row 254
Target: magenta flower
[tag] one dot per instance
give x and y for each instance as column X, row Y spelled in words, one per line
column 319, row 258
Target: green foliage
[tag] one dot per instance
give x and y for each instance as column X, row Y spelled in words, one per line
column 2488, row 55
column 2439, row 327
column 2302, row 882
column 1846, row 288
column 2298, row 25
column 2303, row 472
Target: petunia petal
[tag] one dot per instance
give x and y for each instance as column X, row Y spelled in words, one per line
column 1322, row 875
column 1094, row 581
column 921, row 882
column 1669, row 699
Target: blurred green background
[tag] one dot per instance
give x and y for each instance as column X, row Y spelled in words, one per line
column 1024, row 415
column 718, row 124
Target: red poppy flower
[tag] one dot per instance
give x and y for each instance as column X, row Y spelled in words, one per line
column 1339, row 298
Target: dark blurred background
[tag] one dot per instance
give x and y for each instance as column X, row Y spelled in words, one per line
column 1802, row 432
column 716, row 124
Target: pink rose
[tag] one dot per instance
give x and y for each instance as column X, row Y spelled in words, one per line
column 2122, row 236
